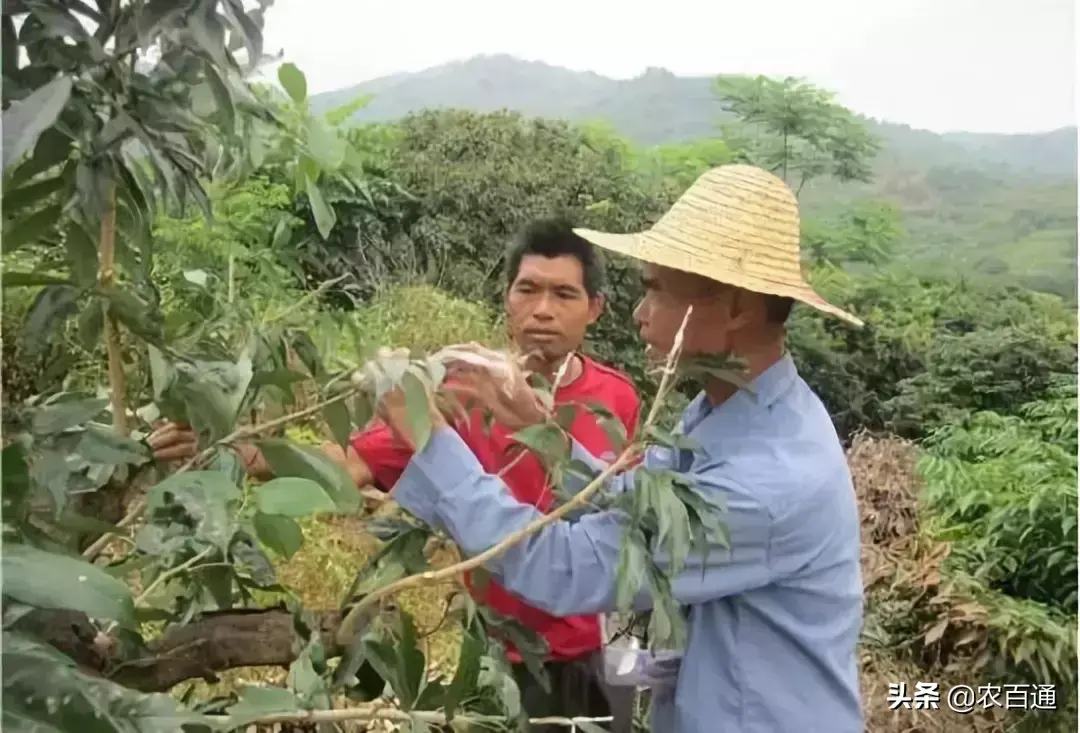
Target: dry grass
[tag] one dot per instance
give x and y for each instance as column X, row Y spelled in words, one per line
column 902, row 576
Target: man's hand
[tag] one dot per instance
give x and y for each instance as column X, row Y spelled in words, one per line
column 177, row 443
column 505, row 391
column 173, row 442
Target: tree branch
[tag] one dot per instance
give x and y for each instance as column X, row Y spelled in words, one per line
column 139, row 507
column 360, row 611
column 111, row 334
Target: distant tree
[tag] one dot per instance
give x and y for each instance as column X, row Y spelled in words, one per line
column 796, row 130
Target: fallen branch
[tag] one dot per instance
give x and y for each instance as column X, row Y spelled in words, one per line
column 210, row 644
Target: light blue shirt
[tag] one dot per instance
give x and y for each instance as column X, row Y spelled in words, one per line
column 773, row 622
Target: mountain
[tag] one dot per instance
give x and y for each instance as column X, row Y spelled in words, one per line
column 994, row 205
column 660, row 107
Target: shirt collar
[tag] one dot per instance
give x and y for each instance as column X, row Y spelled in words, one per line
column 764, row 391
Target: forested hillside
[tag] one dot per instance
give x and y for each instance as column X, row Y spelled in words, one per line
column 249, row 267
column 1002, row 206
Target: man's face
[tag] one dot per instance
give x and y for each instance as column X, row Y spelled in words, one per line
column 548, row 307
column 668, row 293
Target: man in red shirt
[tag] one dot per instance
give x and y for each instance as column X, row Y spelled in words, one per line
column 554, row 293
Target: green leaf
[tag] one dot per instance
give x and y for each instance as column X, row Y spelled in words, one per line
column 208, row 32
column 135, row 313
column 222, row 96
column 196, row 277
column 51, row 308
column 403, row 667
column 281, row 534
column 31, row 279
column 672, row 519
column 363, row 409
column 25, row 120
column 337, row 417
column 44, row 692
column 401, row 555
column 249, row 31
column 343, row 113
column 48, row 580
column 467, row 674
column 207, row 497
column 82, row 254
column 212, row 393
column 15, row 474
column 249, row 558
column 28, row 230
column 32, row 193
column 324, row 215
column 53, row 148
column 289, row 459
column 61, row 416
column 256, row 702
column 100, row 444
column 293, row 82
column 293, row 497
column 531, row 645
column 162, row 372
column 282, row 233
column 633, row 566
column 326, row 146
column 545, row 440
column 417, row 408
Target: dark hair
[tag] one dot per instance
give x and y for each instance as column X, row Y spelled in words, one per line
column 556, row 238
column 778, row 309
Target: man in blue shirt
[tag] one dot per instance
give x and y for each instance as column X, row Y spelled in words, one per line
column 773, row 621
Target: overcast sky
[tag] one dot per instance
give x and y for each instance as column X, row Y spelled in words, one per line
column 977, row 65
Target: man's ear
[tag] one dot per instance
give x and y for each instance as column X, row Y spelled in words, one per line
column 597, row 303
column 742, row 306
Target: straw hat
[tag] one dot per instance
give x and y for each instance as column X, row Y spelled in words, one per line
column 737, row 225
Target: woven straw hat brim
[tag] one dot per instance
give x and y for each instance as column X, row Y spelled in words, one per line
column 737, row 225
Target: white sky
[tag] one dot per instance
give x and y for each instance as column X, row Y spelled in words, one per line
column 976, row 65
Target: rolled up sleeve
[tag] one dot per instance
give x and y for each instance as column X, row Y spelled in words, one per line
column 570, row 568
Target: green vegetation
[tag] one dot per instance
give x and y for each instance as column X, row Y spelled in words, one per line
column 316, row 244
column 993, row 206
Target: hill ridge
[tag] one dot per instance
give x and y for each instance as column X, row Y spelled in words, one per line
column 658, row 106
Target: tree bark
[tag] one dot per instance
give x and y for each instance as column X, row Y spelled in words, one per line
column 113, row 347
column 212, row 643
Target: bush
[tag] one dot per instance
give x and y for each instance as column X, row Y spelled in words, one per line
column 933, row 349
column 425, row 318
column 1002, row 490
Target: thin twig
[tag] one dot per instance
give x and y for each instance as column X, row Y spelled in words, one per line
column 172, row 573
column 323, row 287
column 139, row 506
column 346, row 631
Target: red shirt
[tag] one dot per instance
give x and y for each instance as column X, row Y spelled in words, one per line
column 569, row 637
